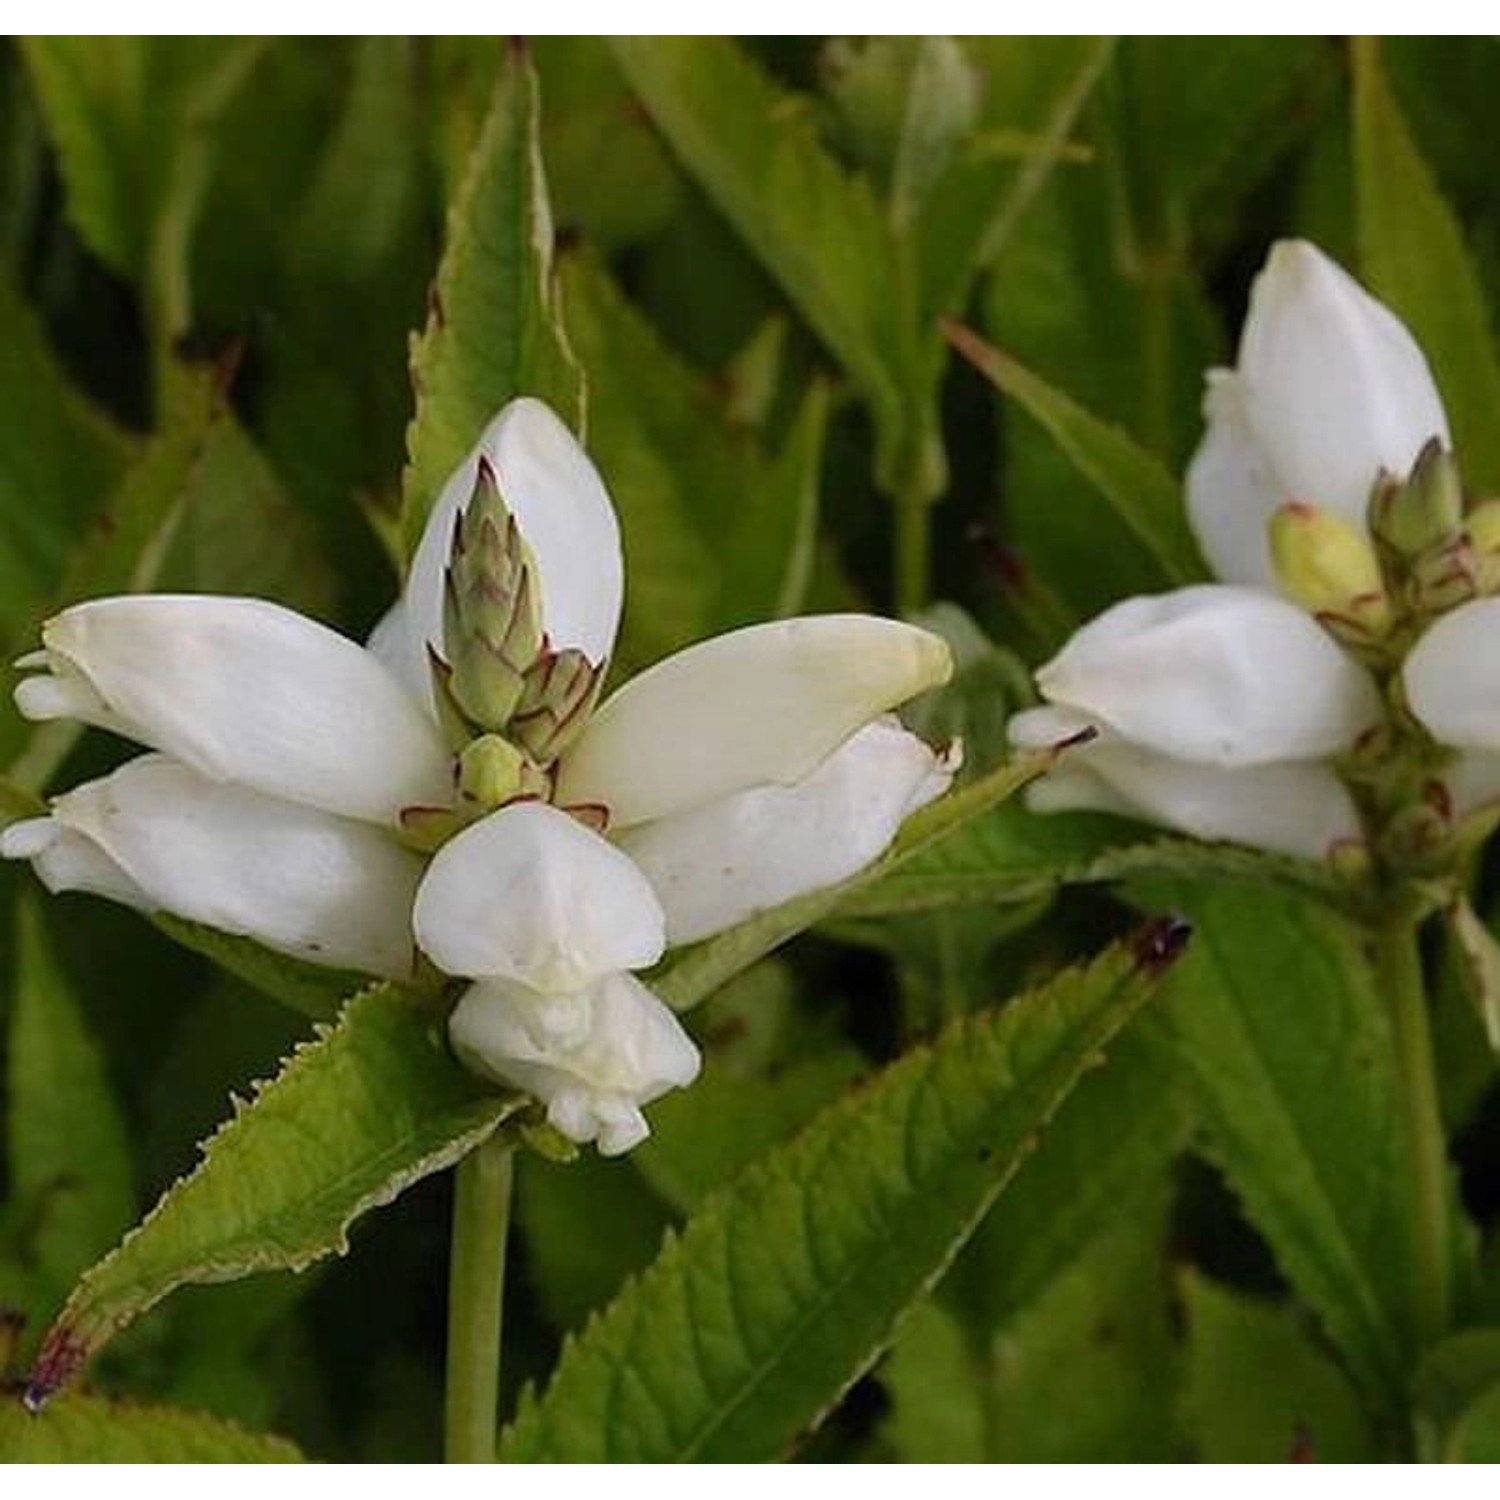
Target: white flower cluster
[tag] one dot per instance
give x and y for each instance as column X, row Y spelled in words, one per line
column 1228, row 710
column 729, row 778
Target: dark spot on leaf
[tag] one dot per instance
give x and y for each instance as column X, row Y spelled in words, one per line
column 1159, row 944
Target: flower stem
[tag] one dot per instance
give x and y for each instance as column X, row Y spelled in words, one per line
column 476, row 1287
column 1399, row 963
column 913, row 553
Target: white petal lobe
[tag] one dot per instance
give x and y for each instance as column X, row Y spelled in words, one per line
column 1216, row 674
column 762, row 705
column 622, row 1049
column 245, row 691
column 158, row 836
column 1298, row 808
column 725, row 861
column 530, row 895
column 1335, row 387
column 1230, row 496
column 1452, row 677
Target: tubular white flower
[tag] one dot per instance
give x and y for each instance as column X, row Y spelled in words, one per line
column 532, row 896
column 158, row 836
column 762, row 705
column 1299, row 808
column 565, row 516
column 1452, row 677
column 725, row 861
column 594, row 1058
column 1216, row 674
column 1330, row 389
column 243, row 691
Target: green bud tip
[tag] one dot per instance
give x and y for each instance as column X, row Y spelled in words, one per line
column 1423, row 513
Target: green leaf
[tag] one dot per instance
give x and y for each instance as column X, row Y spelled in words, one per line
column 89, row 1430
column 1257, row 1388
column 1458, row 1399
column 241, row 534
column 58, row 458
column 819, row 232
column 353, row 1118
column 1035, row 90
column 1106, row 1154
column 125, row 548
column 1010, row 854
column 716, row 533
column 134, row 122
column 676, row 471
column 1082, row 1374
column 70, row 1160
column 1137, row 488
column 571, row 1268
column 492, row 332
column 1278, row 1022
column 315, row 991
column 1413, row 252
column 785, row 1286
column 701, row 969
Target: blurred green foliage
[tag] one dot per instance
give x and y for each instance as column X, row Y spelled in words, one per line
column 229, row 362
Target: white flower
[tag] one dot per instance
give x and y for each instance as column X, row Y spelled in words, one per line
column 1329, row 390
column 733, row 776
column 285, row 746
column 1221, row 708
column 737, row 774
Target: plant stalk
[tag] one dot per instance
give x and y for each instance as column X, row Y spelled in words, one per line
column 1399, row 962
column 476, row 1290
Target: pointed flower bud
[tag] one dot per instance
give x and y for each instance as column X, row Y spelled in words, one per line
column 1327, row 565
column 492, row 620
column 1426, row 511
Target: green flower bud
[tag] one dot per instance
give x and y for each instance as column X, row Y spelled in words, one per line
column 492, row 772
column 1483, row 526
column 560, row 693
column 1424, row 513
column 492, row 619
column 1329, row 568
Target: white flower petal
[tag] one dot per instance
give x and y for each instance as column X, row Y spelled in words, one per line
column 392, row 644
column 1452, row 677
column 624, row 1049
column 1298, row 808
column 566, row 518
column 727, row 860
column 1335, row 387
column 1473, row 782
column 244, row 691
column 66, row 860
column 758, row 706
column 1230, row 497
column 1214, row 673
column 158, row 836
column 532, row 896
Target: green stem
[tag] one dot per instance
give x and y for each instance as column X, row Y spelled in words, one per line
column 1400, row 967
column 913, row 553
column 476, row 1288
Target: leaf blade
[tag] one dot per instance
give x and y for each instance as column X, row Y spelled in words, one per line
column 747, row 1329
column 274, row 1190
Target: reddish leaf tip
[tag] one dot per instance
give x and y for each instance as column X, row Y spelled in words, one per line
column 1159, row 944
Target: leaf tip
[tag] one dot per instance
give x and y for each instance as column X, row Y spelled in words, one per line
column 62, row 1356
column 1159, row 944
